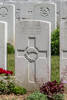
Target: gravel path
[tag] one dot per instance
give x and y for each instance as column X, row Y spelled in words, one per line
column 14, row 97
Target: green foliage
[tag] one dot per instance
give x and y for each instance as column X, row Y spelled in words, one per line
column 37, row 96
column 10, row 49
column 2, row 87
column 58, row 97
column 11, row 86
column 7, row 87
column 55, row 42
column 19, row 90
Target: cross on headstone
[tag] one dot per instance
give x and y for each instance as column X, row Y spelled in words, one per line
column 32, row 53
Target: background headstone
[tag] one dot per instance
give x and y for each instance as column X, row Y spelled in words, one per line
column 63, row 42
column 37, row 11
column 32, row 58
column 7, row 13
column 3, row 45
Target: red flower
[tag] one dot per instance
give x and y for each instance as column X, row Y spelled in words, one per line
column 3, row 71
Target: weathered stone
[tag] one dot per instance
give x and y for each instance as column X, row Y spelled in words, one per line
column 32, row 58
column 3, row 45
column 63, row 42
column 37, row 11
column 7, row 13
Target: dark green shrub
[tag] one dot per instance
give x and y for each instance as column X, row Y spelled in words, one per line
column 58, row 97
column 10, row 49
column 11, row 86
column 7, row 87
column 2, row 87
column 19, row 90
column 37, row 96
column 55, row 42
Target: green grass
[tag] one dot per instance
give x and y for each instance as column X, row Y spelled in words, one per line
column 54, row 64
column 55, row 73
column 11, row 63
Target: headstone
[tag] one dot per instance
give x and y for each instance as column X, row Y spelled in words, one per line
column 26, row 0
column 37, row 11
column 3, row 45
column 63, row 42
column 7, row 13
column 32, row 58
column 58, row 3
column 40, row 10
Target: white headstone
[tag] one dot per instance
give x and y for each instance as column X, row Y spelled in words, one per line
column 27, row 0
column 37, row 11
column 32, row 58
column 7, row 13
column 63, row 42
column 3, row 45
column 46, row 11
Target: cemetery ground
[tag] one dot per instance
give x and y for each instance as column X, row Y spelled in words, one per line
column 54, row 75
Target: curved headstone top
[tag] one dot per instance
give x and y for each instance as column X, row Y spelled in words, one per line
column 25, row 0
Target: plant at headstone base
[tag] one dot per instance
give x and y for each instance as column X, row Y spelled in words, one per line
column 9, row 87
column 2, row 87
column 7, row 84
column 6, row 72
column 55, row 42
column 51, row 88
column 37, row 96
column 19, row 90
column 58, row 96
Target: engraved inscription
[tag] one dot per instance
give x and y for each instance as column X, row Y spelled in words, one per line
column 36, row 29
column 3, row 12
column 18, row 14
column 44, row 11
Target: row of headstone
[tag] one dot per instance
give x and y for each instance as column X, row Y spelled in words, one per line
column 34, row 24
column 32, row 10
column 58, row 2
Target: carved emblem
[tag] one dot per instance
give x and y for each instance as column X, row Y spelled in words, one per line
column 3, row 12
column 44, row 11
column 31, row 54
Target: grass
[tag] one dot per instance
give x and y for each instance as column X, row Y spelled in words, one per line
column 54, row 63
column 55, row 72
column 11, row 63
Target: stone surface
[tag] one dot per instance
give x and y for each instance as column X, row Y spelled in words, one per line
column 37, row 11
column 63, row 42
column 26, row 0
column 45, row 11
column 3, row 45
column 7, row 13
column 63, row 50
column 58, row 3
column 32, row 53
column 63, row 12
